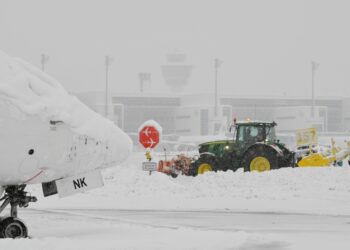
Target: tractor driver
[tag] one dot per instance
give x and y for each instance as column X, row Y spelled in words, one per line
column 248, row 135
column 261, row 134
column 255, row 134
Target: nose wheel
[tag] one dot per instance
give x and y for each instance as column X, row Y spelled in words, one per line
column 12, row 227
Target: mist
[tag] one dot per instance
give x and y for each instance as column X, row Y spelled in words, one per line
column 265, row 48
column 174, row 124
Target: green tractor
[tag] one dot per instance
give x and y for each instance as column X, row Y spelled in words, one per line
column 253, row 148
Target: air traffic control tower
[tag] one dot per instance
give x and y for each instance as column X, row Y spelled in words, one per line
column 176, row 72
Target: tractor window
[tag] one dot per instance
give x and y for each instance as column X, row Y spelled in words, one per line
column 254, row 131
column 241, row 133
column 261, row 136
column 251, row 133
column 246, row 133
column 233, row 131
column 271, row 133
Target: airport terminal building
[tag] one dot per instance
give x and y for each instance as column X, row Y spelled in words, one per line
column 194, row 114
column 182, row 114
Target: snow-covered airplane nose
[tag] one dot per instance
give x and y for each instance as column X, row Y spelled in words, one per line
column 48, row 134
column 120, row 145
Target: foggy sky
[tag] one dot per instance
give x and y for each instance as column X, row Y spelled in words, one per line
column 266, row 45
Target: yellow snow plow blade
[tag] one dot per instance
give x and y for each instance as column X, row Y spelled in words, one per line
column 314, row 160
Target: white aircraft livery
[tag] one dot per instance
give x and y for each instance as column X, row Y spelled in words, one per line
column 48, row 136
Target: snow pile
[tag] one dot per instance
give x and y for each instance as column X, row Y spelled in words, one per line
column 36, row 93
column 282, row 193
column 310, row 190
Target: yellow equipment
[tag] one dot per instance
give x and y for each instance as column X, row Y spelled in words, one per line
column 320, row 160
column 314, row 160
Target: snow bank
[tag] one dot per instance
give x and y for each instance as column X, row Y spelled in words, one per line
column 36, row 93
column 305, row 190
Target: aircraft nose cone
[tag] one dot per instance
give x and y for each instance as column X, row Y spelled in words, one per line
column 126, row 148
column 121, row 146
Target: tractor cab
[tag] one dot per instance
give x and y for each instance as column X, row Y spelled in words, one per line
column 248, row 133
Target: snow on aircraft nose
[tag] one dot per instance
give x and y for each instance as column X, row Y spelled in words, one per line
column 120, row 145
column 48, row 134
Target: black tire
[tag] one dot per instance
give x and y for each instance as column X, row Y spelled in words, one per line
column 11, row 227
column 173, row 175
column 203, row 160
column 263, row 152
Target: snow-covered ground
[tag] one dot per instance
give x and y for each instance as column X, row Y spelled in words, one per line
column 292, row 208
column 323, row 190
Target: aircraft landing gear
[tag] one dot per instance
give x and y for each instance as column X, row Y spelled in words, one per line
column 12, row 227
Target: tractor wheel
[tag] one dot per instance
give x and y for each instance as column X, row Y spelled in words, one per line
column 173, row 175
column 204, row 167
column 259, row 159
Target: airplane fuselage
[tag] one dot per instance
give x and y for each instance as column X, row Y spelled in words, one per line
column 33, row 150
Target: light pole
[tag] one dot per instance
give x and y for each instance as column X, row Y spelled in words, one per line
column 108, row 62
column 217, row 64
column 44, row 60
column 314, row 67
column 143, row 77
